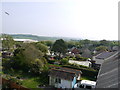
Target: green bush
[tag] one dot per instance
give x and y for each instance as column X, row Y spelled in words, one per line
column 88, row 72
column 74, row 58
column 77, row 56
column 67, row 57
column 82, row 59
column 64, row 61
column 51, row 61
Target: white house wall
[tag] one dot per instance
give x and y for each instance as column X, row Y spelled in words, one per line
column 84, row 63
column 63, row 84
column 51, row 81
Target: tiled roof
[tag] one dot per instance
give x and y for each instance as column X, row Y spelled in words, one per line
column 64, row 73
column 108, row 74
column 75, row 51
column 105, row 55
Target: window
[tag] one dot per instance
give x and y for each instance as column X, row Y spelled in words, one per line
column 81, row 86
column 58, row 80
column 88, row 87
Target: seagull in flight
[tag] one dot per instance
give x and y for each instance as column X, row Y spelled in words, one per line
column 7, row 13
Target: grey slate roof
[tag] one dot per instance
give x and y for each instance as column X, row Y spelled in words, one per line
column 64, row 73
column 105, row 55
column 108, row 74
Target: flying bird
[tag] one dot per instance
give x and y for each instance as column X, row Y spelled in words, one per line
column 7, row 13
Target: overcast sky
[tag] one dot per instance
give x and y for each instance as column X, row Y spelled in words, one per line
column 86, row 19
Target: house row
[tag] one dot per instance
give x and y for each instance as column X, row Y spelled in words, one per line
column 85, row 52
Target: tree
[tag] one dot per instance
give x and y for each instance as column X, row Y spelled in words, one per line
column 64, row 61
column 71, row 44
column 29, row 58
column 60, row 46
column 39, row 65
column 85, row 43
column 101, row 48
column 7, row 42
column 42, row 47
column 48, row 43
column 18, row 44
column 104, row 42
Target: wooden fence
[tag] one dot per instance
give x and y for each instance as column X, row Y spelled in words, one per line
column 11, row 84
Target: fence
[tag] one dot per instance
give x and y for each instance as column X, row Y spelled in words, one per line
column 9, row 84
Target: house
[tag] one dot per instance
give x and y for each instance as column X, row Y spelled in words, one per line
column 64, row 77
column 75, row 50
column 108, row 76
column 86, row 53
column 84, row 63
column 100, row 58
column 115, row 48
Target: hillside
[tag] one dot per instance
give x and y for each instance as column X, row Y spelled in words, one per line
column 35, row 37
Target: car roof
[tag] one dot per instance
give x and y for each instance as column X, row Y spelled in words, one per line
column 88, row 82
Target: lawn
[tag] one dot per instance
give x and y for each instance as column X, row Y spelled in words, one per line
column 27, row 80
column 31, row 82
column 87, row 78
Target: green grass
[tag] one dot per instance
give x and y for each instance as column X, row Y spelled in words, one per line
column 29, row 81
column 33, row 82
column 87, row 78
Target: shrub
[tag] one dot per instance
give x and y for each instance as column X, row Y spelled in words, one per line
column 88, row 72
column 74, row 58
column 77, row 56
column 83, row 58
column 51, row 61
column 64, row 61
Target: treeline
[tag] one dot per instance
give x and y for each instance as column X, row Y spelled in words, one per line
column 34, row 37
column 32, row 57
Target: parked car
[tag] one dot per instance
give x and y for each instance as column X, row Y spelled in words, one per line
column 85, row 84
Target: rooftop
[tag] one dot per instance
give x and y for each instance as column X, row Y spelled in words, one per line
column 105, row 55
column 88, row 82
column 108, row 74
column 64, row 73
column 84, row 63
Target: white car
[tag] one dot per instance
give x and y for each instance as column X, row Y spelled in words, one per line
column 85, row 84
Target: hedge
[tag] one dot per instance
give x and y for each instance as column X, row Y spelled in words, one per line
column 85, row 71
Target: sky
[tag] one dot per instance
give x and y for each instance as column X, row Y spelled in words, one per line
column 84, row 19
